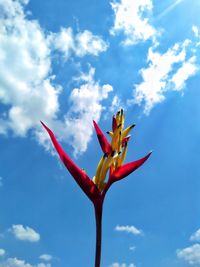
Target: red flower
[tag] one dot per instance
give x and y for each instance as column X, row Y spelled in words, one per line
column 111, row 161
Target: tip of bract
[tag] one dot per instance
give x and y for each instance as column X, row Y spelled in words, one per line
column 44, row 125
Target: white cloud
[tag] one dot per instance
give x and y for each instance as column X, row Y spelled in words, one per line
column 191, row 254
column 195, row 236
column 167, row 71
column 81, row 44
column 62, row 41
column 87, row 43
column 25, row 233
column 2, row 252
column 195, row 30
column 28, row 92
column 188, row 69
column 116, row 264
column 26, row 85
column 132, row 248
column 46, row 257
column 116, row 104
column 85, row 107
column 131, row 18
column 129, row 229
column 14, row 262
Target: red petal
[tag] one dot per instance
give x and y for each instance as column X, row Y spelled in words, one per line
column 80, row 177
column 114, row 124
column 105, row 145
column 128, row 168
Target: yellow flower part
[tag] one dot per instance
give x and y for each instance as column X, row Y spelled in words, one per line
column 119, row 139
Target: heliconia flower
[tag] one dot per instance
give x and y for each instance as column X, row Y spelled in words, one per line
column 109, row 170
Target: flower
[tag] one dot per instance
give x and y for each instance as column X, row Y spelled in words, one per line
column 111, row 162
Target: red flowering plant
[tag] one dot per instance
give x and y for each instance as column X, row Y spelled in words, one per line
column 110, row 168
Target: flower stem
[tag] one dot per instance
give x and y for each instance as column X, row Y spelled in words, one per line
column 98, row 216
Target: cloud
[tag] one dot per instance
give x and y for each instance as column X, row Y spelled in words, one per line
column 191, row 254
column 195, row 31
column 116, row 104
column 165, row 72
column 132, row 19
column 46, row 257
column 28, row 92
column 129, row 229
column 195, row 236
column 2, row 252
column 188, row 69
column 81, row 44
column 87, row 43
column 116, row 264
column 25, row 233
column 1, row 181
column 132, row 248
column 85, row 107
column 14, row 262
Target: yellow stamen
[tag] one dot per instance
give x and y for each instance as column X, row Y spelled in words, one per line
column 115, row 138
column 120, row 142
column 118, row 117
column 110, row 133
column 122, row 119
column 127, row 130
column 99, row 168
column 105, row 168
column 122, row 158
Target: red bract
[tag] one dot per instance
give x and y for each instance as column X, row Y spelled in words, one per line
column 105, row 146
column 111, row 162
column 79, row 175
column 128, row 168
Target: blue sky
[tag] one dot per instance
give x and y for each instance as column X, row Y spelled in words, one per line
column 67, row 63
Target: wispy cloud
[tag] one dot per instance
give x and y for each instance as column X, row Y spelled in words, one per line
column 1, row 181
column 25, row 233
column 26, row 84
column 165, row 71
column 14, row 262
column 132, row 19
column 195, row 30
column 28, row 91
column 46, row 257
column 132, row 248
column 190, row 254
column 195, row 236
column 2, row 252
column 128, row 229
column 86, row 105
column 116, row 264
column 81, row 44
